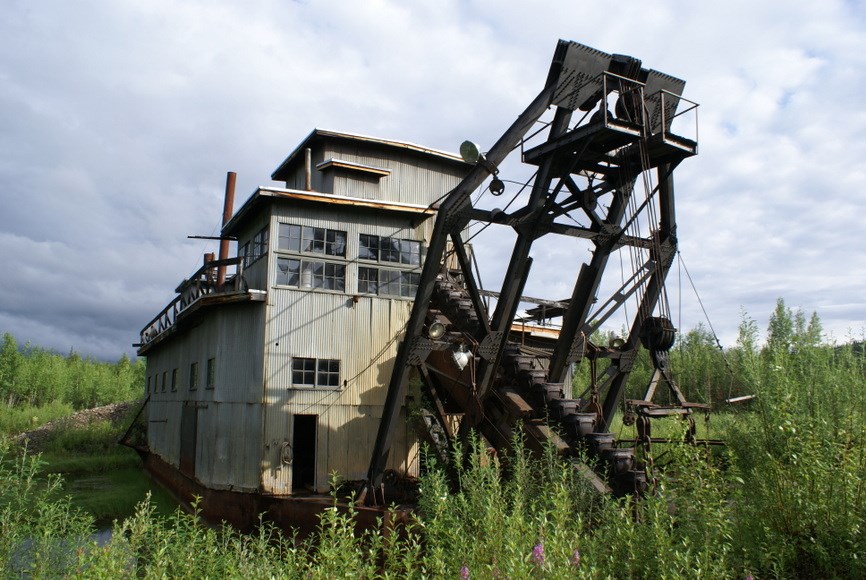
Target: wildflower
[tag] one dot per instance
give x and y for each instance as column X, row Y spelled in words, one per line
column 538, row 554
column 464, row 572
column 749, row 577
column 575, row 558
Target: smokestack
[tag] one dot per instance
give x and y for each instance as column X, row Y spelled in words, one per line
column 308, row 169
column 228, row 206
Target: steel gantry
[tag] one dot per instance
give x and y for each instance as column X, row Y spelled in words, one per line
column 613, row 167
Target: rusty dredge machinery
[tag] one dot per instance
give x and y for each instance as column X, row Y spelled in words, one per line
column 603, row 177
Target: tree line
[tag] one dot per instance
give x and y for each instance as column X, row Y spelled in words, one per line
column 33, row 376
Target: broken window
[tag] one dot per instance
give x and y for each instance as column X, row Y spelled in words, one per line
column 385, row 249
column 388, row 282
column 310, row 240
column 311, row 274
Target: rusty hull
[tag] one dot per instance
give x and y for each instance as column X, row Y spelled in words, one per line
column 297, row 516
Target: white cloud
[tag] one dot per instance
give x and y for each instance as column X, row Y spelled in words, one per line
column 119, row 120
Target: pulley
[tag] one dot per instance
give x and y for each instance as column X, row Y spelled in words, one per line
column 657, row 333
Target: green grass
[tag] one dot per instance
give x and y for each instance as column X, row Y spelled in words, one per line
column 17, row 419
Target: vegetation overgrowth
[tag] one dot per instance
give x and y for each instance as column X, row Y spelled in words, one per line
column 785, row 499
column 33, row 379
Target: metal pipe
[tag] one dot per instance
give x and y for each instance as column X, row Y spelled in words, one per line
column 308, row 169
column 228, row 206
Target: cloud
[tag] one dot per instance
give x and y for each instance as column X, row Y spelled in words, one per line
column 118, row 122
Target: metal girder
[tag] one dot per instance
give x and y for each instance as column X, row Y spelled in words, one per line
column 611, row 155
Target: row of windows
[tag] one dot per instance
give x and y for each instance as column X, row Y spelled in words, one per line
column 303, row 239
column 154, row 386
column 384, row 249
column 387, row 282
column 330, row 242
column 306, row 372
column 255, row 248
column 329, row 276
column 311, row 274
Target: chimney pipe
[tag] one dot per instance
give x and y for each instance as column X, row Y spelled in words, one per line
column 228, row 206
column 308, row 169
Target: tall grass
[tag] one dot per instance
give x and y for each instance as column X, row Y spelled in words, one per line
column 786, row 500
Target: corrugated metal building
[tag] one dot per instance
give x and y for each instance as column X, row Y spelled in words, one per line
column 277, row 380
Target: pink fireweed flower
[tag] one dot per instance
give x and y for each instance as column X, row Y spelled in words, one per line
column 575, row 558
column 464, row 572
column 538, row 554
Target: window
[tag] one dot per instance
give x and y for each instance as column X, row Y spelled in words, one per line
column 260, row 244
column 148, row 385
column 193, row 376
column 174, row 380
column 311, row 372
column 328, row 374
column 310, row 240
column 244, row 254
column 211, row 373
column 164, row 379
column 304, row 372
column 311, row 274
column 385, row 249
column 388, row 282
column 255, row 248
column 368, row 280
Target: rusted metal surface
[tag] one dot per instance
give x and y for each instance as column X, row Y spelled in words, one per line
column 294, row 515
column 228, row 206
column 590, row 166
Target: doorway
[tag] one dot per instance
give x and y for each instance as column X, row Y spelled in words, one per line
column 304, row 452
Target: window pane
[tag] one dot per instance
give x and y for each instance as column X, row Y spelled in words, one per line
column 389, row 249
column 335, row 243
column 211, row 373
column 389, row 282
column 304, row 371
column 306, row 274
column 307, row 239
column 288, row 271
column 335, row 277
column 193, row 376
column 368, row 280
column 409, row 284
column 329, row 373
column 368, row 247
column 290, row 238
column 318, row 274
column 410, row 252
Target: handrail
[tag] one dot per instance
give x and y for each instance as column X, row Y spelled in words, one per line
column 201, row 283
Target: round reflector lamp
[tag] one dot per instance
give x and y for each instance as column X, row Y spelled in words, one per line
column 436, row 330
column 470, row 152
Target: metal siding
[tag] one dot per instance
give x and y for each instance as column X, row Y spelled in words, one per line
column 321, row 324
column 413, row 179
column 229, row 420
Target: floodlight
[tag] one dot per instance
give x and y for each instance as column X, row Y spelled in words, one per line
column 470, row 152
column 435, row 330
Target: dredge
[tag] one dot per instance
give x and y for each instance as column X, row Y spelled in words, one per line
column 300, row 362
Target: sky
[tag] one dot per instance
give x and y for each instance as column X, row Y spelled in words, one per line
column 120, row 119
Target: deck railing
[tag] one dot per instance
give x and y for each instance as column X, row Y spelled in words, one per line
column 202, row 283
